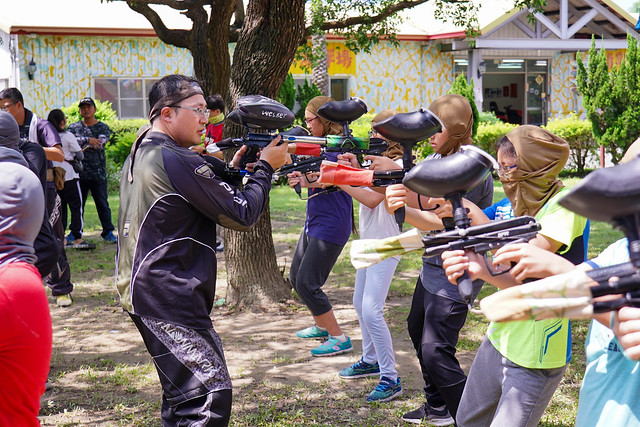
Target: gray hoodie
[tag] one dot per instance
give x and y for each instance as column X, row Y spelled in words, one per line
column 21, row 198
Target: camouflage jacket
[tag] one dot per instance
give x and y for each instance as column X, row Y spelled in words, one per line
column 94, row 163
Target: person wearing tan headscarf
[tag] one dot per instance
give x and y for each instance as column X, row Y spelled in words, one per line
column 632, row 152
column 541, row 155
column 438, row 312
column 520, row 364
column 455, row 113
column 328, row 225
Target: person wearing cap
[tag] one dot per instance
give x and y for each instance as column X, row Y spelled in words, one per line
column 39, row 131
column 170, row 200
column 92, row 135
column 437, row 311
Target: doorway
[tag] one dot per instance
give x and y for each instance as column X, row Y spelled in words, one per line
column 515, row 90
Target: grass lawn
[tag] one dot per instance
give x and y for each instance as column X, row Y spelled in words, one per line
column 562, row 409
column 287, row 213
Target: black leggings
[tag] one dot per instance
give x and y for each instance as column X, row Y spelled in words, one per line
column 310, row 268
column 434, row 323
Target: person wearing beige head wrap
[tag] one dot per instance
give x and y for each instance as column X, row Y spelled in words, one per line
column 328, row 225
column 395, row 150
column 541, row 155
column 328, row 128
column 454, row 111
column 520, row 364
column 438, row 312
column 632, row 152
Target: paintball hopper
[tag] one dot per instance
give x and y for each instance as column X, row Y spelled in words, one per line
column 343, row 111
column 410, row 127
column 457, row 173
column 260, row 112
column 607, row 194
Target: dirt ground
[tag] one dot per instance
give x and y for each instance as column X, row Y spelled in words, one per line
column 101, row 374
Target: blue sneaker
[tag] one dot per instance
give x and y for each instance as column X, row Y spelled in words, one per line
column 110, row 238
column 360, row 369
column 331, row 347
column 386, row 390
column 312, row 332
column 70, row 239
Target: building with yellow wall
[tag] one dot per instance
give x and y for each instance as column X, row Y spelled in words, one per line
column 519, row 69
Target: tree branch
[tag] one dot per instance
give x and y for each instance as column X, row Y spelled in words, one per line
column 174, row 4
column 356, row 20
column 178, row 38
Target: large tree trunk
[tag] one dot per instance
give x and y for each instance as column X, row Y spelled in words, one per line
column 209, row 45
column 270, row 35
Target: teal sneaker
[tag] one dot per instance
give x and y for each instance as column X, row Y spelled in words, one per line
column 386, row 390
column 312, row 332
column 360, row 369
column 331, row 347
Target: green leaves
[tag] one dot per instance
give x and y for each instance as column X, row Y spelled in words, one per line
column 610, row 97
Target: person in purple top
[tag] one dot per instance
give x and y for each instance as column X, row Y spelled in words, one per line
column 327, row 228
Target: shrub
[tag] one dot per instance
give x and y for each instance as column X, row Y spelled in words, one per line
column 104, row 112
column 305, row 93
column 487, row 117
column 490, row 133
column 287, row 93
column 362, row 126
column 578, row 133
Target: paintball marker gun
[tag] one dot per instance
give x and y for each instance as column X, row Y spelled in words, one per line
column 304, row 166
column 450, row 177
column 262, row 117
column 611, row 195
column 342, row 112
column 405, row 128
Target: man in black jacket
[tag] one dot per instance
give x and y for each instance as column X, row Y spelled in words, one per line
column 170, row 201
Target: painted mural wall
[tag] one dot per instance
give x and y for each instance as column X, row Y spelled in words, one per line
column 66, row 65
column 404, row 77
column 563, row 96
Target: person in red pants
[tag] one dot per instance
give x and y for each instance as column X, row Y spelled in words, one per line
column 26, row 334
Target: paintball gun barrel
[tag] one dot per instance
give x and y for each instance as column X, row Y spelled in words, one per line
column 610, row 195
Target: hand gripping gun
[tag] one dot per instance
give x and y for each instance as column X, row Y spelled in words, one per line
column 451, row 177
column 611, row 195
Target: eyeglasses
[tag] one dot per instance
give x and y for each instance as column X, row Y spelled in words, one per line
column 308, row 121
column 5, row 107
column 503, row 171
column 204, row 112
